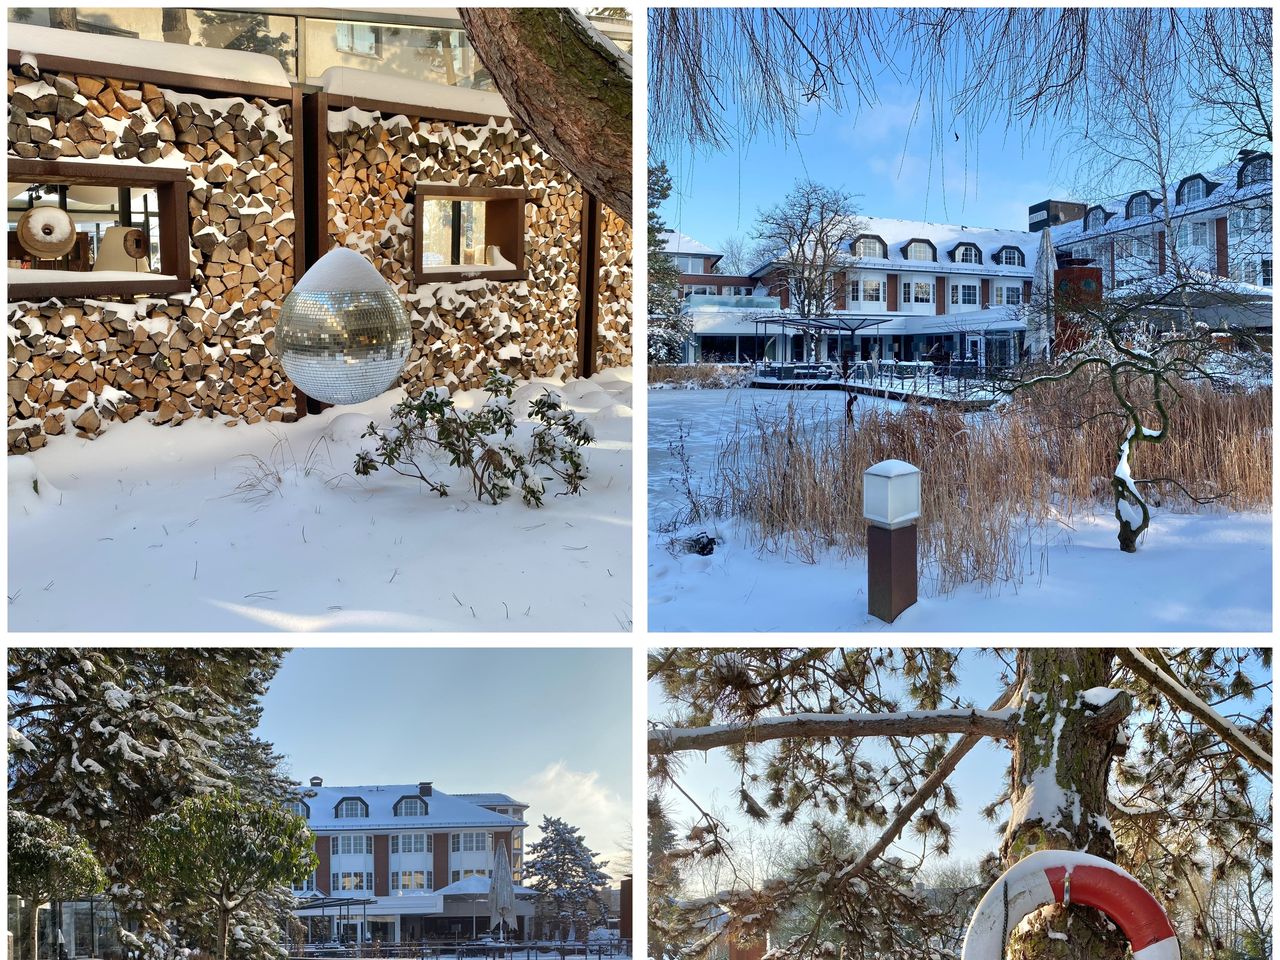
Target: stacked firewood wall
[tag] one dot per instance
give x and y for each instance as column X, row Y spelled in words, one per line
column 463, row 330
column 613, row 340
column 77, row 364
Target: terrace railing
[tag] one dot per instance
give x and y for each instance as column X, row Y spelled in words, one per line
column 478, row 949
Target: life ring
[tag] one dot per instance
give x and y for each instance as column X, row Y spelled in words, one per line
column 47, row 232
column 1062, row 876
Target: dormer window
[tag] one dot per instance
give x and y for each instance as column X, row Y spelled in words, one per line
column 921, row 250
column 1256, row 171
column 969, row 254
column 410, row 807
column 869, row 247
column 299, row 808
column 1010, row 257
column 351, row 808
column 1095, row 219
column 1139, row 205
column 1192, row 190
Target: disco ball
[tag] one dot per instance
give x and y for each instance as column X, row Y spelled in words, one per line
column 343, row 334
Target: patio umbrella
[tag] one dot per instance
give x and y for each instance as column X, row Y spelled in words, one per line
column 1040, row 316
column 502, row 891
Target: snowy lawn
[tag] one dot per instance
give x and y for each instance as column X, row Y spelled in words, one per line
column 1204, row 571
column 150, row 528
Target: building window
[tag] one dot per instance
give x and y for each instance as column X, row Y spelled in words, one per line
column 970, row 254
column 345, row 844
column 411, row 807
column 467, row 231
column 1200, row 234
column 1095, row 221
column 1124, row 248
column 1258, row 171
column 854, row 291
column 1192, row 191
column 128, row 228
column 869, row 247
column 1139, row 205
column 299, row 808
column 872, row 291
column 411, row 880
column 1266, row 273
column 964, row 293
column 362, row 39
column 306, row 885
column 1010, row 257
column 1012, row 295
column 352, row 807
column 468, row 842
column 917, row 292
column 359, row 880
column 410, row 843
column 919, row 250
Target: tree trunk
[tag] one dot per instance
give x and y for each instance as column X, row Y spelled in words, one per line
column 224, row 922
column 571, row 91
column 1057, row 755
column 173, row 25
column 34, row 937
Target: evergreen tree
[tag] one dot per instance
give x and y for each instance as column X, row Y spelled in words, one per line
column 565, row 872
column 220, row 857
column 1172, row 801
column 669, row 326
column 48, row 862
column 104, row 740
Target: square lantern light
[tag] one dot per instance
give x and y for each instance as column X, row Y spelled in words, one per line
column 891, row 494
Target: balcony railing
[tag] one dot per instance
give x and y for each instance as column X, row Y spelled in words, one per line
column 717, row 300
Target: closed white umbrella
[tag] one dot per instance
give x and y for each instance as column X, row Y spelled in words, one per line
column 502, row 892
column 1040, row 312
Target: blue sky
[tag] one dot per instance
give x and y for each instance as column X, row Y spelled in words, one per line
column 547, row 726
column 881, row 156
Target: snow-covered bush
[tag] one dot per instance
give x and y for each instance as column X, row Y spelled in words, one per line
column 484, row 443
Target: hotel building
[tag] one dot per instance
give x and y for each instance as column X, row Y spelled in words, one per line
column 400, row 862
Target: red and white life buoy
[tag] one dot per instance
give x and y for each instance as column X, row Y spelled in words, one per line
column 1062, row 876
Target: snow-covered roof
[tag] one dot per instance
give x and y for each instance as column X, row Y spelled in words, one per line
column 675, row 242
column 477, row 886
column 350, row 82
column 1228, row 191
column 945, row 237
column 491, row 799
column 443, row 809
column 153, row 54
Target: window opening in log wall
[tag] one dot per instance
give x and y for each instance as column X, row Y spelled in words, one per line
column 468, row 232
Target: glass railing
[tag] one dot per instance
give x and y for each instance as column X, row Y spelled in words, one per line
column 717, row 300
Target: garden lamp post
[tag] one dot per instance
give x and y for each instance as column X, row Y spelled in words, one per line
column 891, row 507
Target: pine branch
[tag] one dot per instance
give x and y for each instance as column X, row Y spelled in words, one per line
column 1148, row 665
column 914, row 723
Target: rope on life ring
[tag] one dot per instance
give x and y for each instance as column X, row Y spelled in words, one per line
column 1060, row 876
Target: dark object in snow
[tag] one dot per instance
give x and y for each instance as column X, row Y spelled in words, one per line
column 703, row 544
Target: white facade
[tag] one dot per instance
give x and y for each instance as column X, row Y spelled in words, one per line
column 1218, row 223
column 402, row 846
column 911, row 289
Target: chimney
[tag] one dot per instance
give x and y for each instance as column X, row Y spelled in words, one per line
column 424, row 788
column 317, row 781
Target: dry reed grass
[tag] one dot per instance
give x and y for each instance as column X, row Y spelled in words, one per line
column 992, row 482
column 700, row 376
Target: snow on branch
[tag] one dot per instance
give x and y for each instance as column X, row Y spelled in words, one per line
column 1148, row 667
column 911, row 723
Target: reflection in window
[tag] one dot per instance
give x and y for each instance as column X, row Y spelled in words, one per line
column 363, row 39
column 115, row 229
column 453, row 233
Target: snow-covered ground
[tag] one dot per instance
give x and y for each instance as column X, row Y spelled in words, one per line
column 144, row 529
column 1204, row 571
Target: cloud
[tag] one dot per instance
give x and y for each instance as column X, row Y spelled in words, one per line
column 581, row 800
